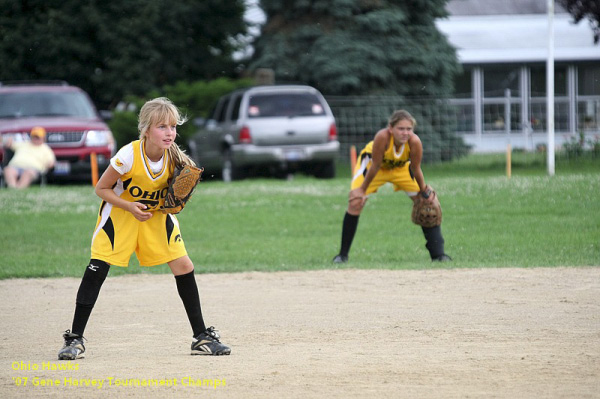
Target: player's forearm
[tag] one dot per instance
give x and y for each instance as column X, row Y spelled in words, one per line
column 108, row 195
column 370, row 176
column 419, row 178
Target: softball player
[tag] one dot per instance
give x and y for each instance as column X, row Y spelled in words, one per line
column 393, row 156
column 132, row 190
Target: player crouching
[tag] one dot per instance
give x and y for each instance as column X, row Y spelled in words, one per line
column 394, row 156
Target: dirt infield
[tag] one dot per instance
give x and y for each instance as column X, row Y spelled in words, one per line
column 502, row 333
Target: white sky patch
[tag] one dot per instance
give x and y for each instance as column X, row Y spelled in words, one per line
column 255, row 16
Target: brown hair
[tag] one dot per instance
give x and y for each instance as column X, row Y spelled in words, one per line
column 161, row 110
column 401, row 115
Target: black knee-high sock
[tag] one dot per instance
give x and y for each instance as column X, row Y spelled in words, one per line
column 188, row 291
column 93, row 278
column 348, row 231
column 435, row 241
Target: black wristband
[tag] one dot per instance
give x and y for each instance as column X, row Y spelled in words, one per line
column 425, row 194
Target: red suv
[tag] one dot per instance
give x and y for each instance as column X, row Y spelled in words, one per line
column 74, row 127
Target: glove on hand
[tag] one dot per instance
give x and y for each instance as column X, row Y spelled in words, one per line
column 181, row 188
column 427, row 212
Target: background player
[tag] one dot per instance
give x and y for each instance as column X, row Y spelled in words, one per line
column 132, row 189
column 393, row 156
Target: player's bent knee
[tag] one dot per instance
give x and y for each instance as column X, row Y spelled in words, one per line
column 355, row 207
column 93, row 278
column 183, row 265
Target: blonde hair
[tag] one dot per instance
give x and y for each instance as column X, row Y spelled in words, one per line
column 401, row 115
column 162, row 110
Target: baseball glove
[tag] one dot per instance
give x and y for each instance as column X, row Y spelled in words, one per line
column 427, row 212
column 181, row 187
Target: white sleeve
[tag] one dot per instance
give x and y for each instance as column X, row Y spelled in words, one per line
column 123, row 159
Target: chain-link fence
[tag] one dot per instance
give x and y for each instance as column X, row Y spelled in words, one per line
column 359, row 118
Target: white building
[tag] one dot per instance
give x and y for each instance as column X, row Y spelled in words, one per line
column 501, row 95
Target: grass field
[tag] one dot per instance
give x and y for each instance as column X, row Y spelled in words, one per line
column 528, row 220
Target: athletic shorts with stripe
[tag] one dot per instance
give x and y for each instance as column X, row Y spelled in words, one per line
column 118, row 234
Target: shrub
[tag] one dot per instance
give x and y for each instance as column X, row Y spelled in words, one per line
column 195, row 100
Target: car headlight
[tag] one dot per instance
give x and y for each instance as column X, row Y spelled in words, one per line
column 98, row 138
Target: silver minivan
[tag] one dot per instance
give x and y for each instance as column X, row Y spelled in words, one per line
column 268, row 130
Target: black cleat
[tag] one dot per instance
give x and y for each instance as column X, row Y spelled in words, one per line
column 207, row 343
column 442, row 258
column 73, row 348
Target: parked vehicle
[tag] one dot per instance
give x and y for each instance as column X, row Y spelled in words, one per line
column 74, row 127
column 268, row 130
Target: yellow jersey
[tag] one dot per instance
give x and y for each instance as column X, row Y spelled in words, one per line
column 391, row 158
column 118, row 233
column 394, row 169
column 142, row 180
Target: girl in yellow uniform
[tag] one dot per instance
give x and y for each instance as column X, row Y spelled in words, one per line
column 133, row 189
column 394, row 156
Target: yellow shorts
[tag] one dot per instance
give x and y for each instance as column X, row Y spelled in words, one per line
column 118, row 234
column 400, row 177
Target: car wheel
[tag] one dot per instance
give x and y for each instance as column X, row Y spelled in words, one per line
column 325, row 170
column 229, row 171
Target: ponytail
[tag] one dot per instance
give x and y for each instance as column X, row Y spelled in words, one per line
column 179, row 158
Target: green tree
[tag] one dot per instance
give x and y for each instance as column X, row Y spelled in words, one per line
column 387, row 53
column 112, row 48
column 194, row 99
column 581, row 9
column 357, row 47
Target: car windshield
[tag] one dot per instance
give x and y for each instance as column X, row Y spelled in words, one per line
column 19, row 105
column 284, row 104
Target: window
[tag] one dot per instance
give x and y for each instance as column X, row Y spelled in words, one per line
column 288, row 104
column 497, row 80
column 463, row 85
column 589, row 80
column 589, row 115
column 538, row 81
column 45, row 104
column 539, row 117
column 494, row 114
column 222, row 109
column 235, row 112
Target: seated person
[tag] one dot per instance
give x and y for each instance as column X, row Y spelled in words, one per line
column 30, row 159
